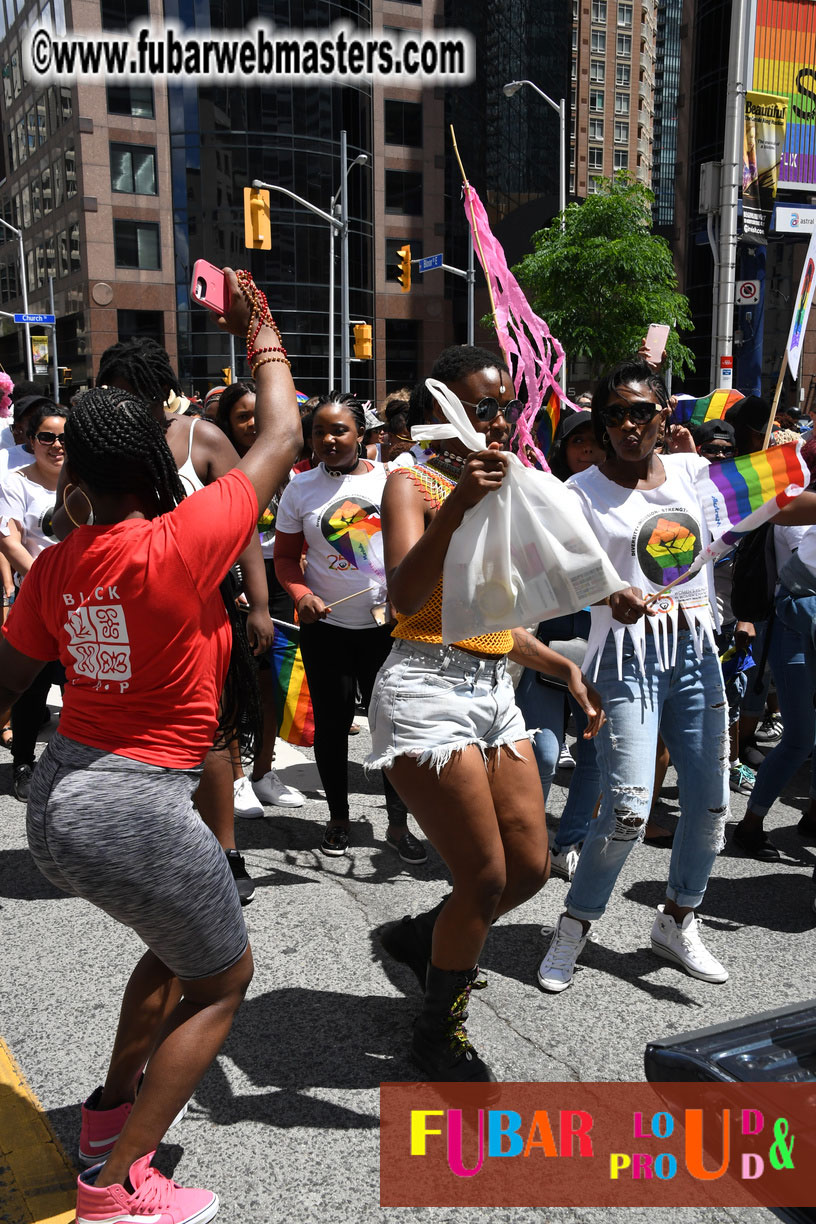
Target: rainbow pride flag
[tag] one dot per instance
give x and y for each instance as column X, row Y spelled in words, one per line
column 712, row 407
column 293, row 704
column 547, row 419
column 741, row 494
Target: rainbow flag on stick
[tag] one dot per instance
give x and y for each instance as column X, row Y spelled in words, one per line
column 293, row 705
column 741, row 494
column 712, row 407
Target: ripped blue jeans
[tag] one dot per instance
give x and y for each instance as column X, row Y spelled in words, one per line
column 687, row 705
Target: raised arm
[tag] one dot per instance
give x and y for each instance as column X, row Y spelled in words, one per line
column 277, row 421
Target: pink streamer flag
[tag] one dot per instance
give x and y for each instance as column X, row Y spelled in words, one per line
column 534, row 354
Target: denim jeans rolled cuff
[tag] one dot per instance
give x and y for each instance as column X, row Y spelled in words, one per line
column 686, row 704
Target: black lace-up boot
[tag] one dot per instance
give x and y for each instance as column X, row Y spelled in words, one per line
column 441, row 1047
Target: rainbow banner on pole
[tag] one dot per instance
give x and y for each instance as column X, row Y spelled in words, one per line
column 293, row 704
column 804, row 301
column 712, row 407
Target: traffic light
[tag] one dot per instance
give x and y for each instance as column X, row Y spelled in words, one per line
column 65, row 374
column 362, row 341
column 404, row 274
column 257, row 222
column 227, row 372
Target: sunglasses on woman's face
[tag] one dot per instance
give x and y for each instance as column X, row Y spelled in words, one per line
column 639, row 413
column 718, row 452
column 48, row 439
column 488, row 408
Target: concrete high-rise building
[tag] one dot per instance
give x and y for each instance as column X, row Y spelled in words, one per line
column 613, row 87
column 119, row 189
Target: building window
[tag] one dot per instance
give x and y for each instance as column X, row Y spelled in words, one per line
column 70, row 169
column 621, row 159
column 392, row 259
column 597, row 71
column 623, row 74
column 572, row 98
column 403, row 345
column 596, row 127
column 118, row 14
column 136, row 244
column 624, row 44
column 62, row 252
column 595, row 159
column 596, row 99
column 133, row 100
column 621, row 104
column 574, row 10
column 403, row 192
column 137, row 324
column 73, row 245
column 598, row 42
column 574, row 69
column 621, row 132
column 572, row 155
column 403, row 123
column 625, row 15
column 133, row 169
column 599, row 10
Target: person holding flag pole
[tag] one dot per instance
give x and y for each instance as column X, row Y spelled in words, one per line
column 656, row 516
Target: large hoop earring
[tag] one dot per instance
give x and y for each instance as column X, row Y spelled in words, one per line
column 89, row 522
column 606, row 439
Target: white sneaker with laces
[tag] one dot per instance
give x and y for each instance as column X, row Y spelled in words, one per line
column 556, row 970
column 270, row 789
column 565, row 758
column 681, row 942
column 243, row 799
column 564, row 863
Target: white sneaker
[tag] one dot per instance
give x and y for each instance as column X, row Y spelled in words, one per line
column 682, row 943
column 270, row 789
column 565, row 757
column 243, row 799
column 556, row 970
column 564, row 864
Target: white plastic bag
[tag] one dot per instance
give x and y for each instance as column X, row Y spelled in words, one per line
column 524, row 554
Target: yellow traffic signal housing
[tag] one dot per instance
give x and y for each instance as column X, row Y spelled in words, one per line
column 257, row 222
column 362, row 341
column 227, row 372
column 404, row 274
column 65, row 374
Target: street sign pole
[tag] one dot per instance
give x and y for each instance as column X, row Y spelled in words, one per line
column 55, row 365
column 432, row 263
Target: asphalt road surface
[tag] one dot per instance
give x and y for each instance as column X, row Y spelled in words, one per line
column 284, row 1127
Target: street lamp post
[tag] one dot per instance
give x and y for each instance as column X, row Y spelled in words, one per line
column 511, row 88
column 24, row 288
column 337, row 225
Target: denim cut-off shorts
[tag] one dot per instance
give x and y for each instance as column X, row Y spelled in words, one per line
column 431, row 701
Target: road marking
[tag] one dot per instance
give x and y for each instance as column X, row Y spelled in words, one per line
column 37, row 1183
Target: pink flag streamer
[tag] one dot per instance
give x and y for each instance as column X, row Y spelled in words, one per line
column 534, row 354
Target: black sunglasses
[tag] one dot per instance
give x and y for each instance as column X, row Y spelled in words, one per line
column 488, row 408
column 638, row 413
column 718, row 452
column 48, row 439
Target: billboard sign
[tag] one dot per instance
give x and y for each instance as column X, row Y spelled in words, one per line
column 782, row 60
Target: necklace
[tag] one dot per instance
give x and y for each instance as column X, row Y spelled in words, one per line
column 447, row 463
column 337, row 473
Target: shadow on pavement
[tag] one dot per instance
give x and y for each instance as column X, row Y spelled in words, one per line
column 766, row 901
column 21, row 881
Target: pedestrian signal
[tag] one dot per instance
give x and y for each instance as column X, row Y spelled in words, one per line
column 257, row 222
column 227, row 372
column 362, row 341
column 404, row 274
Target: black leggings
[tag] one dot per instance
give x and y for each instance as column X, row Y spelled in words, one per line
column 27, row 713
column 336, row 660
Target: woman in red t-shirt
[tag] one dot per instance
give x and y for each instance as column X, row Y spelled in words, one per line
column 130, row 604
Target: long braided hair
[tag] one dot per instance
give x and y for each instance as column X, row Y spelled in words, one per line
column 143, row 364
column 114, row 444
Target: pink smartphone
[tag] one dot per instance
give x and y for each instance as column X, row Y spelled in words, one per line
column 209, row 287
column 655, row 343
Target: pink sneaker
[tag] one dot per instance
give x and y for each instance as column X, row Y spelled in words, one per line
column 154, row 1199
column 102, row 1127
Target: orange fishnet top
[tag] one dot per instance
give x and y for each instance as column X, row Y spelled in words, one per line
column 425, row 625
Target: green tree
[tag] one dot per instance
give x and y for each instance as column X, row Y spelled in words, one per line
column 605, row 277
